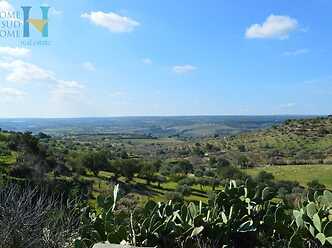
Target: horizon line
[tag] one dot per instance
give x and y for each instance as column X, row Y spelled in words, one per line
column 164, row 116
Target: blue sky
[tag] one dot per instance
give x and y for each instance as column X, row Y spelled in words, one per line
column 156, row 57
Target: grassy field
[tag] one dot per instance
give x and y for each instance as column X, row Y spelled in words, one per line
column 300, row 173
column 146, row 192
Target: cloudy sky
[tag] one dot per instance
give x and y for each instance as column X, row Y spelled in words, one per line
column 156, row 57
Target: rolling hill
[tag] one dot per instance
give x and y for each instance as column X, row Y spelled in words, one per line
column 306, row 141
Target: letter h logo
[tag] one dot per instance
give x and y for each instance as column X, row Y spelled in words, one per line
column 40, row 24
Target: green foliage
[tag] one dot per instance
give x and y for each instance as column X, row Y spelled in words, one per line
column 303, row 174
column 314, row 186
column 148, row 171
column 231, row 172
column 243, row 161
column 314, row 219
column 182, row 167
column 234, row 216
column 184, row 189
column 294, row 142
column 264, row 176
column 124, row 167
column 104, row 223
column 95, row 161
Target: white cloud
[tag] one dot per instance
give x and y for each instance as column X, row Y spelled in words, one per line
column 112, row 21
column 8, row 94
column 89, row 66
column 65, row 96
column 15, row 51
column 147, row 61
column 20, row 71
column 67, row 90
column 184, row 69
column 274, row 26
column 296, row 52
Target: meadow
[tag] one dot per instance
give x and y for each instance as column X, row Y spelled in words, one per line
column 299, row 173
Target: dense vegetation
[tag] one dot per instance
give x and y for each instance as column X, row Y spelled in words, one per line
column 234, row 217
column 201, row 206
column 294, row 142
column 247, row 215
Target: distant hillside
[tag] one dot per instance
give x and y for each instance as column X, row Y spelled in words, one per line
column 307, row 141
column 171, row 126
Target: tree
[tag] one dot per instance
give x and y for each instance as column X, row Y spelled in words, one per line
column 184, row 189
column 198, row 151
column 203, row 182
column 129, row 168
column 215, row 182
column 73, row 161
column 124, row 155
column 212, row 161
column 230, row 172
column 223, row 162
column 95, row 161
column 174, row 196
column 115, row 168
column 190, row 181
column 199, row 172
column 209, row 173
column 209, row 147
column 264, row 176
column 185, row 166
column 160, row 180
column 242, row 148
column 243, row 161
column 157, row 164
column 147, row 172
column 165, row 170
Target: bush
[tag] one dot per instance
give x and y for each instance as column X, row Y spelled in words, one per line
column 314, row 186
column 187, row 181
column 21, row 172
column 174, row 196
column 237, row 216
column 264, row 176
column 231, row 172
column 29, row 217
column 184, row 189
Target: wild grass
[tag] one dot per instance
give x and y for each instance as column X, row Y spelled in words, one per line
column 300, row 173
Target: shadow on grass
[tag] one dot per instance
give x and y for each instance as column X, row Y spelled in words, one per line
column 194, row 192
column 141, row 188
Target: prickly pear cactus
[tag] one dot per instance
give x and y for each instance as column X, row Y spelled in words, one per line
column 315, row 217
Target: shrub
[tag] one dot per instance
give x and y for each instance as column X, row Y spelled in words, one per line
column 264, row 176
column 187, row 181
column 184, row 189
column 231, row 172
column 174, row 196
column 29, row 217
column 237, row 216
